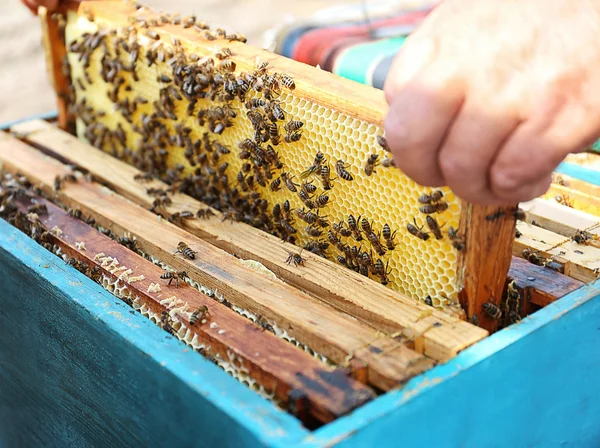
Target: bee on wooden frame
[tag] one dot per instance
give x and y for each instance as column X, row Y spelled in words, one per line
column 185, row 250
column 295, row 259
column 174, row 276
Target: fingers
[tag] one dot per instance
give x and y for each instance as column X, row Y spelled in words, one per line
column 470, row 148
column 534, row 150
column 420, row 115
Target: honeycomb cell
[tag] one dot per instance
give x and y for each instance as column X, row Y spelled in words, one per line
column 415, row 267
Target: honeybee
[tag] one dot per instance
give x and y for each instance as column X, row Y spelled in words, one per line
column 387, row 162
column 273, row 133
column 152, row 34
column 164, row 79
column 434, row 227
column 313, row 231
column 74, row 212
column 277, row 111
column 417, row 231
column 308, row 217
column 457, row 241
column 289, row 183
column 582, row 237
column 533, row 257
column 434, row 196
column 492, row 310
column 564, row 200
column 188, row 22
column 295, row 259
column 354, row 228
column 292, row 137
column 204, row 213
column 322, row 200
column 307, row 200
column 339, row 228
column 365, row 263
column 388, row 236
column 382, row 271
column 199, row 314
column 325, row 177
column 273, row 157
column 371, row 164
column 174, row 276
column 293, row 125
column 382, row 141
column 437, row 207
column 428, row 301
column 374, row 240
column 127, row 241
column 340, row 169
column 39, row 209
column 184, row 249
column 520, row 214
column 288, row 81
column 276, row 184
column 180, row 216
column 365, row 226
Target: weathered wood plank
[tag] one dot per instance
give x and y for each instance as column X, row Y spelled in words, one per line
column 486, row 259
column 541, row 286
column 276, row 365
column 379, row 306
column 56, row 52
column 560, row 219
column 582, row 262
column 576, row 184
column 321, row 327
column 580, row 201
column 80, row 368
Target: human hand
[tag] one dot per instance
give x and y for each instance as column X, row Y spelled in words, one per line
column 489, row 96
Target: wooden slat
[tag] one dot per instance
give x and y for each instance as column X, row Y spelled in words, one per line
column 541, row 285
column 321, row 327
column 276, row 365
column 560, row 219
column 486, row 260
column 580, row 201
column 55, row 50
column 324, row 89
column 379, row 306
column 576, row 184
column 580, row 261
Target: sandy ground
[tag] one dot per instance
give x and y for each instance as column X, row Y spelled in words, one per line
column 25, row 89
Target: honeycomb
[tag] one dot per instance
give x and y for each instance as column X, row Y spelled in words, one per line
column 417, row 268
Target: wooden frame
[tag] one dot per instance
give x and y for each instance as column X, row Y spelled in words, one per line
column 481, row 275
column 381, row 307
column 334, row 334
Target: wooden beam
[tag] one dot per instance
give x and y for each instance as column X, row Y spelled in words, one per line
column 576, row 184
column 580, row 261
column 565, row 221
column 578, row 200
column 53, row 38
column 225, row 335
column 541, row 285
column 487, row 259
column 324, row 329
column 334, row 284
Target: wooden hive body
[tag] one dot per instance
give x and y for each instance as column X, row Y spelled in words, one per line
column 364, row 360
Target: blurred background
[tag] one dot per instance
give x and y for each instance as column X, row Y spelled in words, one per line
column 273, row 24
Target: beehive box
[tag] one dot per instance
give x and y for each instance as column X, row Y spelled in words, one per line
column 388, row 343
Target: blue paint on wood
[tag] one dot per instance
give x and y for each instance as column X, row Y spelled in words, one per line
column 579, row 172
column 78, row 367
column 44, row 116
column 533, row 384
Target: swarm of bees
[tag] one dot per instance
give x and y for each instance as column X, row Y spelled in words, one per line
column 200, row 98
